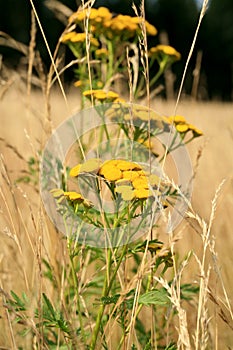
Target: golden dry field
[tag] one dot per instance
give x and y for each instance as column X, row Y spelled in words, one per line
column 27, row 236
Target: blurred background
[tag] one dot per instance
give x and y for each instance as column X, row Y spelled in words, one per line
column 210, row 74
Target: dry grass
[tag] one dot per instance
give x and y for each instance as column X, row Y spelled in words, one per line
column 203, row 241
column 25, row 237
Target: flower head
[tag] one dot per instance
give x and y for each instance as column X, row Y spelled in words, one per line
column 101, row 95
column 160, row 51
column 73, row 37
column 101, row 52
column 90, row 166
column 73, row 196
column 182, row 126
column 77, row 198
column 128, row 178
column 94, row 15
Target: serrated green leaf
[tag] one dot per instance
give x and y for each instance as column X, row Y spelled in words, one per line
column 19, row 304
column 154, row 297
column 49, row 306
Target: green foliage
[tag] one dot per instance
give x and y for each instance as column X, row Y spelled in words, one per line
column 97, row 291
column 53, row 317
column 19, row 304
column 32, row 173
column 188, row 291
column 154, row 297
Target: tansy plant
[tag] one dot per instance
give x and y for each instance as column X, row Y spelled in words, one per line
column 101, row 38
column 109, row 193
column 112, row 199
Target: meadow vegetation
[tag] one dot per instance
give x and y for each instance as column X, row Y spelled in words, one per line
column 161, row 290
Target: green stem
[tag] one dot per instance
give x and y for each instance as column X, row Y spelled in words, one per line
column 75, row 280
column 106, row 290
column 110, row 60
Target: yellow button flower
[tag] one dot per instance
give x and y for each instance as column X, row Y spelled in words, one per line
column 96, row 15
column 182, row 128
column 140, row 182
column 73, row 196
column 90, row 166
column 127, row 165
column 101, row 95
column 75, row 171
column 142, row 193
column 196, row 132
column 130, row 175
column 78, row 83
column 68, row 36
column 76, row 197
column 102, row 52
column 110, row 173
column 151, row 30
column 166, row 50
column 176, row 119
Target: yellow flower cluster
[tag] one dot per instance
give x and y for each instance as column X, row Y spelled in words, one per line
column 74, row 37
column 129, row 178
column 182, row 126
column 102, row 96
column 72, row 196
column 102, row 21
column 102, row 53
column 140, row 115
column 97, row 15
column 161, row 50
column 129, row 25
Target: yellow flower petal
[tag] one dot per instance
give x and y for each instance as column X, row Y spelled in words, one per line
column 101, row 52
column 127, row 165
column 78, row 38
column 182, row 128
column 94, row 42
column 67, row 37
column 130, row 175
column 101, row 95
column 111, row 174
column 151, row 30
column 176, row 119
column 112, row 95
column 73, row 196
column 166, row 50
column 75, row 171
column 196, row 132
column 109, row 170
column 78, row 83
column 142, row 193
column 140, row 182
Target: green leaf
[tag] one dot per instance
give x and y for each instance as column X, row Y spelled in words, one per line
column 188, row 291
column 20, row 304
column 148, row 346
column 154, row 297
column 171, row 346
column 153, row 245
column 50, row 307
column 110, row 300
